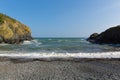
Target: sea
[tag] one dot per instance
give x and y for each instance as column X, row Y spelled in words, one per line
column 59, row 48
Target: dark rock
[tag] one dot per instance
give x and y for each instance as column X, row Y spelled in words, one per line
column 110, row 36
column 93, row 37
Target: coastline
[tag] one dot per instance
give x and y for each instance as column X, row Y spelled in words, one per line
column 85, row 69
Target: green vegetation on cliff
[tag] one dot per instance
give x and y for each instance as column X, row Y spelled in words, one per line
column 12, row 31
column 1, row 19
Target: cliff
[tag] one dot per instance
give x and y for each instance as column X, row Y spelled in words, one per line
column 13, row 31
column 109, row 36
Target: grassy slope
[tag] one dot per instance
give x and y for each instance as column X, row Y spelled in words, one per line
column 11, row 28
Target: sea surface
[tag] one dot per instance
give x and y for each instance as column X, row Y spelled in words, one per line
column 59, row 48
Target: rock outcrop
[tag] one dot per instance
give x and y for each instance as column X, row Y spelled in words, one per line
column 12, row 31
column 110, row 36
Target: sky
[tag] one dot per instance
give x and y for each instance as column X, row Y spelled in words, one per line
column 64, row 18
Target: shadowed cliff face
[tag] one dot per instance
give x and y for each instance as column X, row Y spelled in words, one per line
column 110, row 36
column 12, row 31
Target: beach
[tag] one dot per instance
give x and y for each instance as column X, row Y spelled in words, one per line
column 84, row 69
column 60, row 40
column 59, row 59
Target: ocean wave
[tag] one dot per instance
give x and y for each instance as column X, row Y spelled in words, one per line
column 3, row 44
column 35, row 42
column 65, row 56
column 27, row 42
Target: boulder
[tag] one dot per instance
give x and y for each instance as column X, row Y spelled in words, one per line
column 13, row 31
column 93, row 37
column 110, row 36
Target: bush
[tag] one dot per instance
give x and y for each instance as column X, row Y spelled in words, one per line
column 1, row 20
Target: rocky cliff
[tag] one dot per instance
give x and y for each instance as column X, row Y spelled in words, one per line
column 12, row 31
column 110, row 36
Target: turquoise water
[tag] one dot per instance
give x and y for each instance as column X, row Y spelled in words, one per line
column 58, row 49
column 57, row 45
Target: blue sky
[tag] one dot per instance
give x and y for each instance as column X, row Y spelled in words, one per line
column 64, row 18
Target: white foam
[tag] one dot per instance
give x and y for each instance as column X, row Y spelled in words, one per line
column 35, row 42
column 27, row 42
column 3, row 44
column 61, row 55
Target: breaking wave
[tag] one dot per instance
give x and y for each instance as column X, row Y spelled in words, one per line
column 58, row 49
column 31, row 42
column 63, row 56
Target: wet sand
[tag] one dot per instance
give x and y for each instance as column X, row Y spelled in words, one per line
column 60, row 70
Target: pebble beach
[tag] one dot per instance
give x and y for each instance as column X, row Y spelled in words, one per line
column 86, row 69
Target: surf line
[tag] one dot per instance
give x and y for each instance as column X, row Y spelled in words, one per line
column 61, row 55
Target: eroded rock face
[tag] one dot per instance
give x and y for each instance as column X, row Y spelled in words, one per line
column 110, row 36
column 12, row 31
